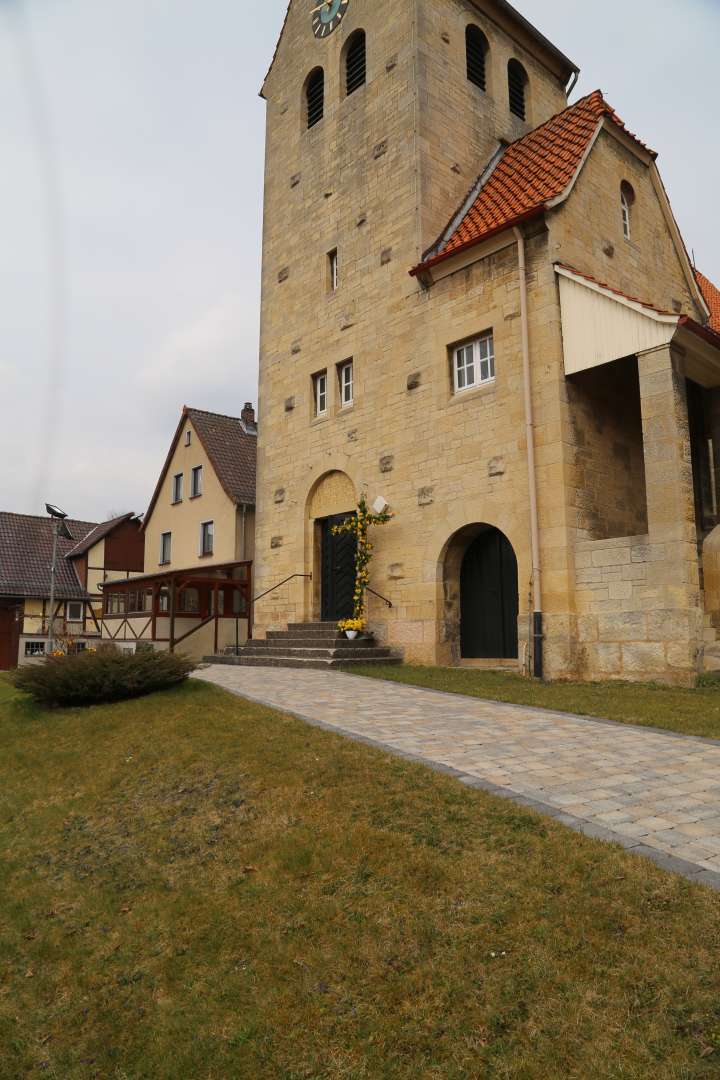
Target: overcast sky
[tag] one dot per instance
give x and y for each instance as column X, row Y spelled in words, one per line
column 131, row 159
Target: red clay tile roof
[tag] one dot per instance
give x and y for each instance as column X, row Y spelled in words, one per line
column 26, row 554
column 712, row 299
column 97, row 534
column 530, row 173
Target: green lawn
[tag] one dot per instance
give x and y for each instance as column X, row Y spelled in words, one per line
column 197, row 888
column 693, row 712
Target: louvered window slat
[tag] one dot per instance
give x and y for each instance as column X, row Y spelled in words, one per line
column 476, row 46
column 355, row 70
column 516, row 88
column 315, row 98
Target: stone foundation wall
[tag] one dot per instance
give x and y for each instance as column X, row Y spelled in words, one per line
column 624, row 631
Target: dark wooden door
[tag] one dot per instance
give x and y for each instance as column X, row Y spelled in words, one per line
column 489, row 599
column 338, row 571
column 9, row 637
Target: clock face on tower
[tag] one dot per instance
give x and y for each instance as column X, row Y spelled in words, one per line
column 327, row 16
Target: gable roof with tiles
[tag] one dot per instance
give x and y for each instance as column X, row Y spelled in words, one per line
column 528, row 176
column 712, row 299
column 230, row 443
column 26, row 543
column 99, row 532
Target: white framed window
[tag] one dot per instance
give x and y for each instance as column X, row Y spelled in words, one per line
column 177, row 488
column 207, row 537
column 74, row 611
column 320, row 393
column 345, row 379
column 34, row 648
column 627, row 198
column 474, row 363
column 188, row 437
column 165, row 548
column 333, row 274
column 196, row 482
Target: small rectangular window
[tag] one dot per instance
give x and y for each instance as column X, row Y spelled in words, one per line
column 177, row 488
column 165, row 548
column 188, row 437
column 345, row 379
column 74, row 611
column 333, row 278
column 196, row 482
column 320, row 393
column 474, row 363
column 34, row 648
column 207, row 537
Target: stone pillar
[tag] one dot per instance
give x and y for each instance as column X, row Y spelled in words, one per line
column 672, row 596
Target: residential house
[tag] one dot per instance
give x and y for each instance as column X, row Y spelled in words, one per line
column 198, row 532
column 477, row 305
column 94, row 552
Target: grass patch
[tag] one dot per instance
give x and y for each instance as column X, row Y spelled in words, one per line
column 195, row 886
column 690, row 711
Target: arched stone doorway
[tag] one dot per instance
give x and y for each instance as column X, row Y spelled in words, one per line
column 332, row 500
column 480, row 577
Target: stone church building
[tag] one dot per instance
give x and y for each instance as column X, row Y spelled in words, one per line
column 477, row 305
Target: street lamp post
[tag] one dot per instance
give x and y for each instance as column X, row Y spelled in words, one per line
column 59, row 528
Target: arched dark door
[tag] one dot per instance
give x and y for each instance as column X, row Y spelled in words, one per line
column 489, row 598
column 338, row 570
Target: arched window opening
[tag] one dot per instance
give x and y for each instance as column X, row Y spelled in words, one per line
column 627, row 198
column 476, row 47
column 517, row 89
column 315, row 97
column 355, row 63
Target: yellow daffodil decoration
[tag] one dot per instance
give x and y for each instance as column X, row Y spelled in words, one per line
column 359, row 524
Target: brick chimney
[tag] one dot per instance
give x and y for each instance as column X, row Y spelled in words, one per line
column 248, row 413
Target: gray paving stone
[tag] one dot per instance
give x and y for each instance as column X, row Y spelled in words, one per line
column 640, row 787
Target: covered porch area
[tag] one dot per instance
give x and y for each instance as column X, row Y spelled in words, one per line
column 195, row 611
column 643, row 395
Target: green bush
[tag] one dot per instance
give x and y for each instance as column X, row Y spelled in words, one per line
column 110, row 674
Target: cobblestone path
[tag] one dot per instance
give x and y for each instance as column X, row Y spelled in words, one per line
column 656, row 793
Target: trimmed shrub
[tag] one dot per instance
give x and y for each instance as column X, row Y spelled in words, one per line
column 110, row 674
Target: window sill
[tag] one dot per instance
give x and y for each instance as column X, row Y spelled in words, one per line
column 206, row 555
column 198, row 496
column 176, row 502
column 322, row 419
column 346, row 408
column 473, row 392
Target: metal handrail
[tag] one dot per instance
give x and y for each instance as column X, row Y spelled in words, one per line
column 279, row 585
column 383, row 598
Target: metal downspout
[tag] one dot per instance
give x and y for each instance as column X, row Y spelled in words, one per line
column 532, row 479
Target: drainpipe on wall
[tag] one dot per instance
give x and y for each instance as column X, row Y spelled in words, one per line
column 532, row 480
column 244, row 549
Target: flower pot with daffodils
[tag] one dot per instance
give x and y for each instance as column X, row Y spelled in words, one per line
column 351, row 627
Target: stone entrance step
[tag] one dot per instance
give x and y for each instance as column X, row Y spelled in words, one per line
column 308, row 645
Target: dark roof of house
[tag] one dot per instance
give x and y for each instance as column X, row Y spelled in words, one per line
column 26, row 554
column 99, row 532
column 527, row 175
column 231, row 445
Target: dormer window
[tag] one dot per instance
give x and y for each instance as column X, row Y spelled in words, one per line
column 627, row 198
column 517, row 89
column 476, row 47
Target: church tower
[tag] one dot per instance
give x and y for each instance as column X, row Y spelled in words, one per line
column 379, row 119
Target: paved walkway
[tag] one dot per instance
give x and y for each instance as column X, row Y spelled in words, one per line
column 655, row 793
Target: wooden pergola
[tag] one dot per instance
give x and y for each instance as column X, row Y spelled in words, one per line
column 165, row 594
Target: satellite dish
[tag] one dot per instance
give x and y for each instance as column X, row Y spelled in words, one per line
column 54, row 512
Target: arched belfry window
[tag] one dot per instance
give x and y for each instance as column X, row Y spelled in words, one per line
column 315, row 97
column 476, row 47
column 517, row 89
column 627, row 198
column 355, row 62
